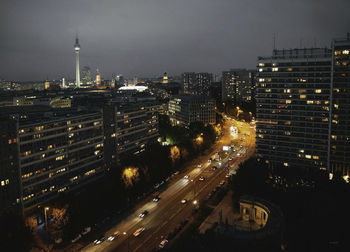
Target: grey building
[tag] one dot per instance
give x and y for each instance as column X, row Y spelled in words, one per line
column 185, row 109
column 303, row 108
column 197, row 83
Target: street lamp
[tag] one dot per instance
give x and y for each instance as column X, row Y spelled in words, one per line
column 45, row 210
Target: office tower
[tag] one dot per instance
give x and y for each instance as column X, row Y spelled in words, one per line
column 64, row 83
column 189, row 80
column 119, row 80
column 86, row 76
column 98, row 78
column 55, row 151
column 340, row 108
column 185, row 109
column 238, row 85
column 77, row 70
column 293, row 96
column 165, row 78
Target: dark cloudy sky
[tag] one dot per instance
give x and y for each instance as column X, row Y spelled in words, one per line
column 148, row 37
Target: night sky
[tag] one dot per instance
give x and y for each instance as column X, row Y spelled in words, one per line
column 148, row 37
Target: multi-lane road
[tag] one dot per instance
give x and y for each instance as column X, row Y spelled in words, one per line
column 163, row 216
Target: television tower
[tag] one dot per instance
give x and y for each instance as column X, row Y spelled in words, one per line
column 77, row 73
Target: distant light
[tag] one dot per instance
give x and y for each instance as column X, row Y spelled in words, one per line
column 137, row 88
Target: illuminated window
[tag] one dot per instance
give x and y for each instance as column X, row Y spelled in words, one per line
column 336, row 106
column 326, row 102
column 261, row 64
column 261, row 79
column 302, row 96
column 308, row 156
column 268, row 79
column 285, row 164
column 287, row 133
column 334, row 137
column 315, row 157
column 336, row 90
column 38, row 128
column 90, row 172
column 286, row 90
column 288, row 123
column 337, row 52
column 275, row 69
column 289, row 69
column 318, row 91
column 97, row 123
column 60, row 158
column 301, row 151
column 310, row 102
column 324, row 119
column 260, row 69
column 262, row 85
column 345, row 51
column 288, row 101
column 267, row 90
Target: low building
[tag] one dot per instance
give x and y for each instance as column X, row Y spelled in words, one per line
column 55, row 152
column 130, row 125
column 185, row 109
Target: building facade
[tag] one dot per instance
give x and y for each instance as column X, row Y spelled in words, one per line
column 56, row 152
column 129, row 127
column 197, row 83
column 303, row 108
column 238, row 85
column 185, row 109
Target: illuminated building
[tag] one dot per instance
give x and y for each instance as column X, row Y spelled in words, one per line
column 10, row 194
column 55, row 152
column 340, row 108
column 196, row 83
column 165, row 78
column 303, row 108
column 47, row 84
column 77, row 70
column 98, row 79
column 238, row 85
column 185, row 109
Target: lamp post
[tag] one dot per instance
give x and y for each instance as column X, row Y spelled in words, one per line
column 45, row 210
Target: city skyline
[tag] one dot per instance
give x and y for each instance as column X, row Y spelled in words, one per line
column 145, row 40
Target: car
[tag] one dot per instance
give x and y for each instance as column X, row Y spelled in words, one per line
column 156, row 199
column 222, row 182
column 209, row 160
column 184, row 201
column 199, row 166
column 116, row 233
column 219, row 163
column 214, row 168
column 143, row 214
column 227, row 176
column 111, row 238
column 139, row 231
column 76, row 238
column 163, row 243
column 156, row 186
column 186, row 177
column 238, row 154
column 177, row 172
column 100, row 240
column 201, row 178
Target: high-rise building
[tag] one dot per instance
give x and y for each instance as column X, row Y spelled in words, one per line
column 189, row 80
column 47, row 84
column 340, row 107
column 185, row 109
column 197, row 83
column 238, row 85
column 86, row 76
column 303, row 103
column 77, row 70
